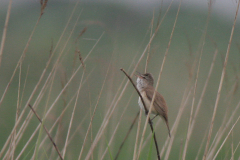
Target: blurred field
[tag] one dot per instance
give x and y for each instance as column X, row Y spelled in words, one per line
column 116, row 37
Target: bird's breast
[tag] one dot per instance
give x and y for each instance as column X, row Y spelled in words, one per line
column 147, row 103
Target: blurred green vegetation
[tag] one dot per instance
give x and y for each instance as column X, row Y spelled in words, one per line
column 126, row 33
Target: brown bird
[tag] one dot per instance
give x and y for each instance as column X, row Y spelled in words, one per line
column 145, row 87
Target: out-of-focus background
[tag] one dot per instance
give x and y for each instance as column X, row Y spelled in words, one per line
column 126, row 28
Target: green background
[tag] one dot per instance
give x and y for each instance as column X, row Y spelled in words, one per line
column 126, row 34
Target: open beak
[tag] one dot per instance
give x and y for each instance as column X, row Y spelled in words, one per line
column 139, row 75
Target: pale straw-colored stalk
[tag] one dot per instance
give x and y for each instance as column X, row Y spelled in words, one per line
column 35, row 154
column 137, row 135
column 158, row 80
column 221, row 132
column 90, row 124
column 189, row 132
column 71, row 78
column 5, row 30
column 203, row 92
column 19, row 62
column 117, row 125
column 220, row 85
column 17, row 110
column 191, row 113
column 72, row 116
column 170, row 141
column 8, row 85
column 55, row 123
column 215, row 156
column 201, row 145
column 235, row 151
column 111, row 109
column 149, row 46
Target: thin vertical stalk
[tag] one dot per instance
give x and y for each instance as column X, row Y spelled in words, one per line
column 90, row 124
column 137, row 136
column 220, row 85
column 189, row 132
column 5, row 30
column 175, row 125
column 158, row 80
column 73, row 112
column 226, row 138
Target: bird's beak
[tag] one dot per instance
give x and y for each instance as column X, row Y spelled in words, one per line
column 138, row 75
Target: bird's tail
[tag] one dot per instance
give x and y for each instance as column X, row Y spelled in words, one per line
column 168, row 129
column 166, row 120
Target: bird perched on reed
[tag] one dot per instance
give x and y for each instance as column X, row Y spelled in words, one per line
column 146, row 89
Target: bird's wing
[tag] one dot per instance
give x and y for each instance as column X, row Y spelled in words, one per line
column 160, row 105
column 159, row 102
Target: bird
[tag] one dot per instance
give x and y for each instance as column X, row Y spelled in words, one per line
column 145, row 86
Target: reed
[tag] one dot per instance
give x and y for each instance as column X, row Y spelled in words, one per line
column 65, row 97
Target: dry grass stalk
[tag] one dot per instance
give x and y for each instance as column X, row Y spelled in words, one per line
column 201, row 145
column 235, row 151
column 51, row 55
column 63, row 79
column 57, row 121
column 43, row 5
column 80, row 58
column 220, row 84
column 60, row 117
column 19, row 62
column 73, row 112
column 160, row 23
column 110, row 111
column 118, row 90
column 5, row 30
column 113, row 106
column 17, row 112
column 69, row 81
column 221, row 132
column 215, row 156
column 8, row 85
column 147, row 61
column 146, row 112
column 203, row 92
column 90, row 124
column 63, row 112
column 191, row 67
column 47, row 104
column 158, row 80
column 41, row 90
column 149, row 46
column 25, row 125
column 170, row 141
column 189, row 132
column 191, row 114
column 116, row 128
column 77, row 51
column 137, row 135
column 27, row 143
column 81, row 33
column 54, row 144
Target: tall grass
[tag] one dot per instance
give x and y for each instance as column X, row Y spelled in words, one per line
column 75, row 103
